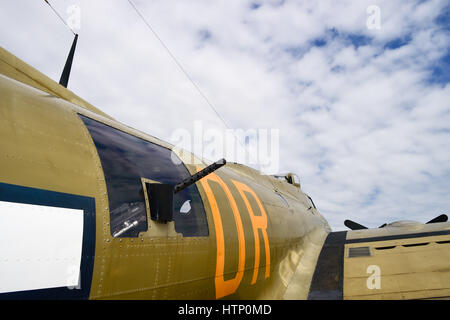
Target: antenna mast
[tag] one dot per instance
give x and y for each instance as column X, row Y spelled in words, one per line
column 64, row 80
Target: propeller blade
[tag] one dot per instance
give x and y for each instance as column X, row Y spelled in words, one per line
column 441, row 218
column 353, row 225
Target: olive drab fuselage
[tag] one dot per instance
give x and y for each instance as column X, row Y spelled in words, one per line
column 76, row 217
column 241, row 241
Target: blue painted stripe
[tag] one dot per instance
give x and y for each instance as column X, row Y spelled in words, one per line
column 400, row 236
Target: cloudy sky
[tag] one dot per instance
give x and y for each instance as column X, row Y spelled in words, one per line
column 358, row 90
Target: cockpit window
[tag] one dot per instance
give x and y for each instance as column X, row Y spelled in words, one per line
column 281, row 178
column 125, row 160
column 311, row 203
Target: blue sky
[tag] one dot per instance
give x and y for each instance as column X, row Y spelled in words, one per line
column 363, row 114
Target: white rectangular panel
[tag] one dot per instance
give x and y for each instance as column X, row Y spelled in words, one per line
column 40, row 246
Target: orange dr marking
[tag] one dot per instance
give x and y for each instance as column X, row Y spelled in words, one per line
column 258, row 222
column 225, row 287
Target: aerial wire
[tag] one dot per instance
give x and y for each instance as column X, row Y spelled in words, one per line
column 61, row 18
column 183, row 70
column 178, row 63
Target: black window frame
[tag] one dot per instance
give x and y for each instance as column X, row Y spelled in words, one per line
column 126, row 159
